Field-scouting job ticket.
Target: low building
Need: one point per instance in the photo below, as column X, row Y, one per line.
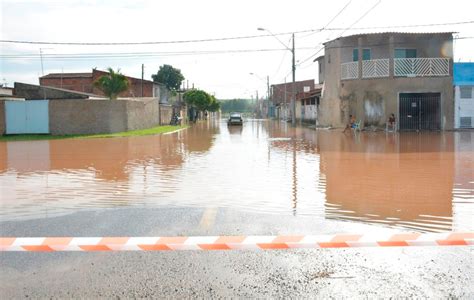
column 371, row 76
column 84, row 82
column 307, row 104
column 464, row 95
column 281, row 95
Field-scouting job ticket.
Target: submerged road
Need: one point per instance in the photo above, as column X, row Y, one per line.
column 262, row 179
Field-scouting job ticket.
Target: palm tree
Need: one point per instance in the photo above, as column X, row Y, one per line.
column 112, row 84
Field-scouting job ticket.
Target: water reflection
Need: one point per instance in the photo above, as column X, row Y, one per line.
column 416, row 181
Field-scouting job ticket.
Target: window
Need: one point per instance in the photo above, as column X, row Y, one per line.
column 355, row 54
column 365, row 54
column 405, row 53
column 466, row 92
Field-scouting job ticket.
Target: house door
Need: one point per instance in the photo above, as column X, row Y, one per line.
column 420, row 111
column 27, row 117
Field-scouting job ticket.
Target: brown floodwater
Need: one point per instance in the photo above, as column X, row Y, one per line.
column 415, row 181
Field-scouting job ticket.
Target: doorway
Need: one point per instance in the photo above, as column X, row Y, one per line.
column 420, row 111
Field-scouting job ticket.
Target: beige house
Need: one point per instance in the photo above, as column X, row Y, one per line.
column 374, row 75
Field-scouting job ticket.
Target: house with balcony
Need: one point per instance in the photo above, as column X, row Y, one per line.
column 374, row 75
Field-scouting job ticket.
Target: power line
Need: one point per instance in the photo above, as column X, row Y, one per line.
column 357, row 21
column 132, row 55
column 226, row 38
column 138, row 54
column 281, row 62
column 333, row 18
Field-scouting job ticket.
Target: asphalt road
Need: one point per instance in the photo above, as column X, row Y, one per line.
column 435, row 272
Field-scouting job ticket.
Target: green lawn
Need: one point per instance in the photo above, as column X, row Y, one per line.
column 142, row 132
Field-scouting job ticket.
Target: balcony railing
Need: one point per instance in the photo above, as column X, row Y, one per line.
column 375, row 68
column 402, row 67
column 419, row 67
column 350, row 70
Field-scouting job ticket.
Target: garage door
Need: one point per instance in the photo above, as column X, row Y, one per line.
column 420, row 111
column 27, row 117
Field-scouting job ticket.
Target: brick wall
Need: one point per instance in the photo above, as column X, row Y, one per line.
column 278, row 90
column 80, row 84
column 134, row 88
column 86, row 84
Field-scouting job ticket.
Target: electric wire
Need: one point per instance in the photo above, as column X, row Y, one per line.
column 227, row 38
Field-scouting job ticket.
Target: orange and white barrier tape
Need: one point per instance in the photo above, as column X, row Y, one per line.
column 233, row 242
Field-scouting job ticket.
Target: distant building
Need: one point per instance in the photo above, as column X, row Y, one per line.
column 371, row 76
column 84, row 82
column 464, row 95
column 281, row 95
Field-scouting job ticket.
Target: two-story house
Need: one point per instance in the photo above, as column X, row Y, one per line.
column 371, row 76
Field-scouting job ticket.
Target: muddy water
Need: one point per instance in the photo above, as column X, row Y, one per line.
column 413, row 181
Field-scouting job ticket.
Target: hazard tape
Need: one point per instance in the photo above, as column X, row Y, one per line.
column 43, row 244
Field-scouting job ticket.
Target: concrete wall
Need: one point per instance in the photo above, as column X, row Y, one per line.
column 142, row 114
column 2, row 117
column 166, row 113
column 373, row 100
column 101, row 116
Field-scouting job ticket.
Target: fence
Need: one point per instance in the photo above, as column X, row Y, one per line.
column 350, row 70
column 403, row 67
column 415, row 67
column 375, row 68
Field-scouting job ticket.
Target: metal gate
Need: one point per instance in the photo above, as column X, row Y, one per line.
column 420, row 111
column 27, row 117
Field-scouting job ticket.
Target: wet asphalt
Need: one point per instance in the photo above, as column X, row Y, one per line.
column 433, row 272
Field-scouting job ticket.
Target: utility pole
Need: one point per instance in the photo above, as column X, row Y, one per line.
column 268, row 96
column 143, row 71
column 293, row 96
column 41, row 56
column 256, row 104
column 285, row 107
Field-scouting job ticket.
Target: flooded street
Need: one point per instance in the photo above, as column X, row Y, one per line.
column 264, row 178
column 407, row 181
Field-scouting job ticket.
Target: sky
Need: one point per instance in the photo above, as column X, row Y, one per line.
column 224, row 68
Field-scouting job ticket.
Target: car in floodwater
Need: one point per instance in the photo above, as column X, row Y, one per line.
column 235, row 118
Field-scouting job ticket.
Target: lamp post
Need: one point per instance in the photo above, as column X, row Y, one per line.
column 293, row 69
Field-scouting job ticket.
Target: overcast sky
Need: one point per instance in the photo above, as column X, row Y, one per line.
column 225, row 74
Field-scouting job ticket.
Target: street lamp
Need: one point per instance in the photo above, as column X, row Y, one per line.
column 293, row 69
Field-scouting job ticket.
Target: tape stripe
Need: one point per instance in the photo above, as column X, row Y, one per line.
column 48, row 244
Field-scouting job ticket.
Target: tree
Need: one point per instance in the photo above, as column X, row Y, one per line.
column 198, row 100
column 169, row 76
column 214, row 105
column 112, row 84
